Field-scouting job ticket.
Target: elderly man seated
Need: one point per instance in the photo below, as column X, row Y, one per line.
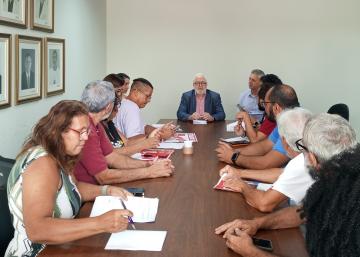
column 129, row 120
column 331, row 206
column 200, row 103
column 294, row 180
column 100, row 163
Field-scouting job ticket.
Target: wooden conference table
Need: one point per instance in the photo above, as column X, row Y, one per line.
column 189, row 209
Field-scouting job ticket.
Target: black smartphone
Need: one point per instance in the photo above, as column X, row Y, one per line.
column 136, row 191
column 263, row 243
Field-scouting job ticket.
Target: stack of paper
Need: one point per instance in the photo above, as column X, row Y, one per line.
column 136, row 240
column 144, row 209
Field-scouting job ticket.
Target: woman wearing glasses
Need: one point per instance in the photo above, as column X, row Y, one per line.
column 43, row 194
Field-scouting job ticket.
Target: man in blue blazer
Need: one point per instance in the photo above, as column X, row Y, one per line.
column 200, row 103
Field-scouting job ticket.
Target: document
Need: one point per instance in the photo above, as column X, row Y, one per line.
column 199, row 122
column 144, row 209
column 181, row 137
column 236, row 140
column 153, row 154
column 231, row 126
column 165, row 145
column 136, row 240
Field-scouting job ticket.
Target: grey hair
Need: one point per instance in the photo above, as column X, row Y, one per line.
column 97, row 95
column 258, row 72
column 327, row 135
column 291, row 123
column 197, row 75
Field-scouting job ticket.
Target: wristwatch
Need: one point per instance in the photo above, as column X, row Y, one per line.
column 234, row 157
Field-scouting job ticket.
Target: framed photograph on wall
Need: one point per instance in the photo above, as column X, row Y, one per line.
column 42, row 15
column 14, row 13
column 5, row 70
column 28, row 86
column 54, row 83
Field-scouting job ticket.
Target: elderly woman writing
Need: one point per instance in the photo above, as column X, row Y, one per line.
column 43, row 195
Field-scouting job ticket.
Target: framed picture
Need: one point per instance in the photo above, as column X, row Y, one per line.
column 28, row 52
column 54, row 66
column 14, row 13
column 5, row 70
column 42, row 15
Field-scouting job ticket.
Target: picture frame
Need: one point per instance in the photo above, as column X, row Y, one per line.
column 42, row 15
column 5, row 70
column 54, row 63
column 14, row 13
column 29, row 63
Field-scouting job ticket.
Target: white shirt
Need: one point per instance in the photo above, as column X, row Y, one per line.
column 128, row 120
column 295, row 179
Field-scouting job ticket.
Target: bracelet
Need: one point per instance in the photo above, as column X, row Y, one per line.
column 104, row 189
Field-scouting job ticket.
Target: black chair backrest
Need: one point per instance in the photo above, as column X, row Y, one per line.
column 340, row 109
column 7, row 230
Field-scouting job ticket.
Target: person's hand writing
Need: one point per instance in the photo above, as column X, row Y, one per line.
column 114, row 220
column 155, row 133
column 167, row 131
column 224, row 152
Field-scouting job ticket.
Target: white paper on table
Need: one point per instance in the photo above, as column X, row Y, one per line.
column 136, row 240
column 264, row 186
column 199, row 122
column 244, row 140
column 231, row 126
column 181, row 137
column 165, row 145
column 144, row 209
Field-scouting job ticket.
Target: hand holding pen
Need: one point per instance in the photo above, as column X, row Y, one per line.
column 129, row 218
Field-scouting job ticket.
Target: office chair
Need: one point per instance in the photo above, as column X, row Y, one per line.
column 7, row 230
column 340, row 109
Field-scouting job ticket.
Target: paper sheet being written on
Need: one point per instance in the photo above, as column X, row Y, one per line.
column 144, row 209
column 136, row 240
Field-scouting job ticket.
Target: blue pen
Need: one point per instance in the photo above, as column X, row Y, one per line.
column 129, row 218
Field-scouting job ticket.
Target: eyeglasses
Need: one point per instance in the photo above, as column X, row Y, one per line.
column 146, row 95
column 198, row 83
column 82, row 134
column 300, row 146
column 263, row 103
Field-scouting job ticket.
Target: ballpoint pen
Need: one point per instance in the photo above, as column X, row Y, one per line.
column 129, row 218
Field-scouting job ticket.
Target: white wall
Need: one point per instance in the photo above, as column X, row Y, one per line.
column 311, row 45
column 82, row 24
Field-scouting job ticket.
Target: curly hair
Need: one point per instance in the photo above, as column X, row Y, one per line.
column 47, row 132
column 332, row 207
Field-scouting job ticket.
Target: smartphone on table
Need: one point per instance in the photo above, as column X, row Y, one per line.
column 136, row 191
column 263, row 243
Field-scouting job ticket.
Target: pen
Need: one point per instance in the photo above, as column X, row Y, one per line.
column 129, row 218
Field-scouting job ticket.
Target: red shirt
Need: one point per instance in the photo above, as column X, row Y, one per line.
column 267, row 126
column 93, row 154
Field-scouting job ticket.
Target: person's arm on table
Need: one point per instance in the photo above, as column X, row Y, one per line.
column 40, row 189
column 264, row 201
column 225, row 151
column 89, row 192
column 253, row 135
column 272, row 159
column 266, row 175
column 161, row 168
column 284, row 218
column 131, row 149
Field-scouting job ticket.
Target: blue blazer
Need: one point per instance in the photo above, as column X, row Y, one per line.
column 212, row 105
